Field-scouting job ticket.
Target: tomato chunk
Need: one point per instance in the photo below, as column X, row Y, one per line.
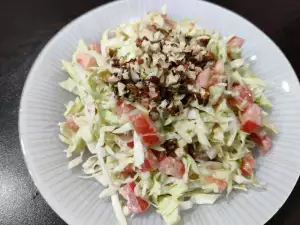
column 129, row 169
column 135, row 203
column 251, row 119
column 242, row 97
column 222, row 185
column 127, row 189
column 151, row 162
column 145, row 128
column 219, row 67
column 262, row 140
column 203, row 78
column 123, row 108
column 96, row 47
column 71, row 124
column 130, row 144
column 142, row 123
column 168, row 22
column 235, row 42
column 86, row 60
column 150, row 139
column 248, row 164
column 172, row 167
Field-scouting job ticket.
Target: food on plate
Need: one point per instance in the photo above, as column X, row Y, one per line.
column 168, row 113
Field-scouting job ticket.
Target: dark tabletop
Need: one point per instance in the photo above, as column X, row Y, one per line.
column 27, row 25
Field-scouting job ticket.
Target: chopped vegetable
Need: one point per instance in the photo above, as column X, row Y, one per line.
column 251, row 119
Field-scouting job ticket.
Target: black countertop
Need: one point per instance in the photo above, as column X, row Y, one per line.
column 27, row 25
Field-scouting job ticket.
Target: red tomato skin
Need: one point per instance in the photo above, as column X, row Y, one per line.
column 137, row 204
column 143, row 204
column 150, row 139
column 151, row 162
column 244, row 94
column 123, row 108
column 266, row 144
column 129, row 169
column 86, row 60
column 172, row 167
column 222, row 185
column 126, row 190
column 72, row 125
column 263, row 141
column 251, row 119
column 249, row 126
column 140, row 61
column 96, row 47
column 142, row 123
column 145, row 128
column 130, row 144
column 248, row 164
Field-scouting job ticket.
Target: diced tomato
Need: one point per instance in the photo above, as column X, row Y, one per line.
column 168, row 22
column 235, row 42
column 142, row 123
column 186, row 65
column 172, row 167
column 266, row 144
column 251, row 118
column 150, row 139
column 123, row 108
column 137, row 204
column 262, row 140
column 130, row 144
column 96, row 47
column 203, row 78
column 129, row 169
column 222, row 185
column 151, row 162
column 242, row 98
column 140, row 61
column 219, row 67
column 145, row 128
column 248, row 164
column 127, row 189
column 71, row 123
column 86, row 60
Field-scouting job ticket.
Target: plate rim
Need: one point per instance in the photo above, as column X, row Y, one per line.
column 55, row 206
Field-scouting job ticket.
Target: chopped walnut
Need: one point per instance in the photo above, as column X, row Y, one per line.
column 180, row 152
column 125, row 75
column 172, row 79
column 164, row 71
column 121, row 88
column 155, row 47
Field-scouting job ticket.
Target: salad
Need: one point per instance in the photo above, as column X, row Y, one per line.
column 167, row 113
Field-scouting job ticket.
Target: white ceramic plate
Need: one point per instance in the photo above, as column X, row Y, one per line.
column 76, row 200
